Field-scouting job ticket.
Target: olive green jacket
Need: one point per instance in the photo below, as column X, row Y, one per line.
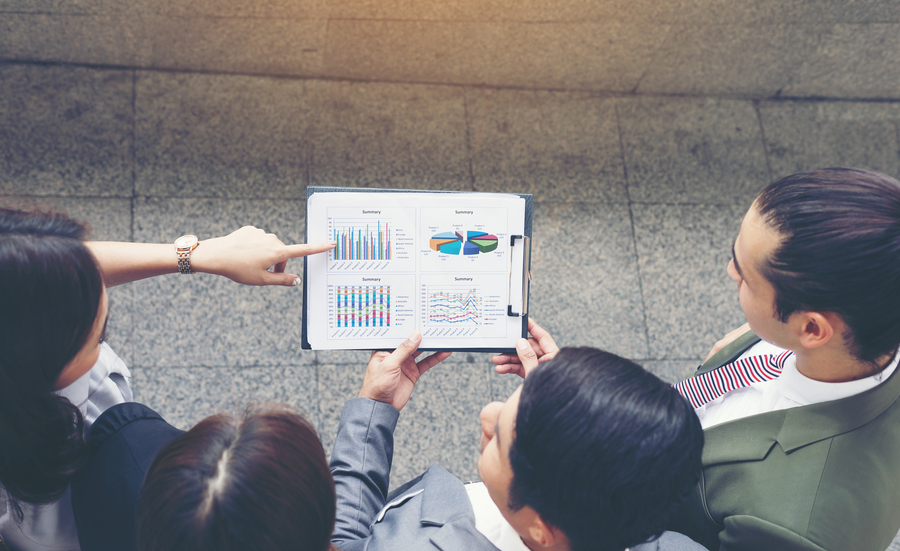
column 819, row 477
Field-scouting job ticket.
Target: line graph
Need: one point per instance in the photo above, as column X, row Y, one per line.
column 454, row 306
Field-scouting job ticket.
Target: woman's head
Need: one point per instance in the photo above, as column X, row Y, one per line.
column 257, row 483
column 52, row 300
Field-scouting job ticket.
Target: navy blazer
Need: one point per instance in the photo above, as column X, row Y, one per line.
column 123, row 442
column 432, row 511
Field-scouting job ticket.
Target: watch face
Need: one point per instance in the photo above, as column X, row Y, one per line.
column 186, row 242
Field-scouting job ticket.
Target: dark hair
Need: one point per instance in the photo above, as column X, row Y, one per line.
column 839, row 252
column 51, row 291
column 259, row 484
column 603, row 450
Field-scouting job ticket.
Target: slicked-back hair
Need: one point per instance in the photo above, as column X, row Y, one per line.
column 603, row 450
column 839, row 252
column 50, row 291
column 261, row 483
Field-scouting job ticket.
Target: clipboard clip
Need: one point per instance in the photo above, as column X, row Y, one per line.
column 519, row 257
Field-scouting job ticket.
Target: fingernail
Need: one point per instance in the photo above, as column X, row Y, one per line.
column 296, row 282
column 521, row 344
column 415, row 335
column 332, row 242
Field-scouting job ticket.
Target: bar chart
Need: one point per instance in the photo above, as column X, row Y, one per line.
column 361, row 240
column 363, row 306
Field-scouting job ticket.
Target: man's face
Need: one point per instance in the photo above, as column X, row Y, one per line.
column 754, row 245
column 498, row 424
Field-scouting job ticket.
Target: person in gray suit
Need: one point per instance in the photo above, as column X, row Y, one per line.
column 591, row 452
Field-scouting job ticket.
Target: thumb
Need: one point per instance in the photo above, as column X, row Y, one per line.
column 406, row 348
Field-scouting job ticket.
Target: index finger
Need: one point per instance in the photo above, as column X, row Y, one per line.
column 294, row 251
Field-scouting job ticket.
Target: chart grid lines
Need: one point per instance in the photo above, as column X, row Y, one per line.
column 454, row 307
column 362, row 244
column 364, row 306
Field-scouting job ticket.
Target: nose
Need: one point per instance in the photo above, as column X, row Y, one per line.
column 489, row 415
column 732, row 271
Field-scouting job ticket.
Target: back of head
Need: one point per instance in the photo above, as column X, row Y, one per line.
column 603, row 450
column 840, row 252
column 50, row 292
column 259, row 484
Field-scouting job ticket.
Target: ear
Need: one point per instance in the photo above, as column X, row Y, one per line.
column 545, row 534
column 815, row 329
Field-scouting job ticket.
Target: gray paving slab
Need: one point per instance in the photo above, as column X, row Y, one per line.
column 201, row 135
column 573, row 56
column 184, row 396
column 728, row 60
column 562, row 147
column 585, row 290
column 761, row 13
column 508, row 10
column 690, row 301
column 502, row 386
column 206, row 320
column 671, row 371
column 255, row 45
column 802, row 136
column 71, row 7
column 118, row 39
column 388, row 135
column 692, row 150
column 439, row 424
column 271, row 9
column 851, row 62
column 65, row 131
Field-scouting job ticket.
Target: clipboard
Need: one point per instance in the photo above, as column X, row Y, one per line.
column 362, row 310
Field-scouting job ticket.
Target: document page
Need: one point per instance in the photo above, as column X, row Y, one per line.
column 439, row 263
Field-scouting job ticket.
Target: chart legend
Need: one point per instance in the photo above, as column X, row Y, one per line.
column 464, row 243
column 363, row 306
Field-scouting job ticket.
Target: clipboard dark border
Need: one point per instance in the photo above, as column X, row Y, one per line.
column 311, row 190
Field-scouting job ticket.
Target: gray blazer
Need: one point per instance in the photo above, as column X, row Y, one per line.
column 431, row 511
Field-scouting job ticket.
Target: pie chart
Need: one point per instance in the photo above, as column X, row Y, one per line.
column 463, row 243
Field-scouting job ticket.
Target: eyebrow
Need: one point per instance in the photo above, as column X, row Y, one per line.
column 734, row 259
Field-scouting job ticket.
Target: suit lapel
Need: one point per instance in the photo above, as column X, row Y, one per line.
column 729, row 353
column 751, row 438
column 445, row 503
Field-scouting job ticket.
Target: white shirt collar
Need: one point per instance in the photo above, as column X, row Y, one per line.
column 490, row 522
column 799, row 388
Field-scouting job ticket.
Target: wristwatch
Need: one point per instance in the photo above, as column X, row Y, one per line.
column 183, row 247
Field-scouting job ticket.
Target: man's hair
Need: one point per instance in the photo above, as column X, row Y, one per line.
column 261, row 483
column 839, row 252
column 50, row 296
column 603, row 450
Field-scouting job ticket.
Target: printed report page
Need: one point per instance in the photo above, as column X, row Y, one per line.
column 433, row 262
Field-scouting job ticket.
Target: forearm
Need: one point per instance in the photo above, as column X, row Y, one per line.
column 126, row 262
column 361, row 465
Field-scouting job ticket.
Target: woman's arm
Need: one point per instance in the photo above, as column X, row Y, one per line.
column 244, row 256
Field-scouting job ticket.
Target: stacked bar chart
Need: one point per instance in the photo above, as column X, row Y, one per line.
column 363, row 306
column 454, row 307
column 464, row 243
column 361, row 240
